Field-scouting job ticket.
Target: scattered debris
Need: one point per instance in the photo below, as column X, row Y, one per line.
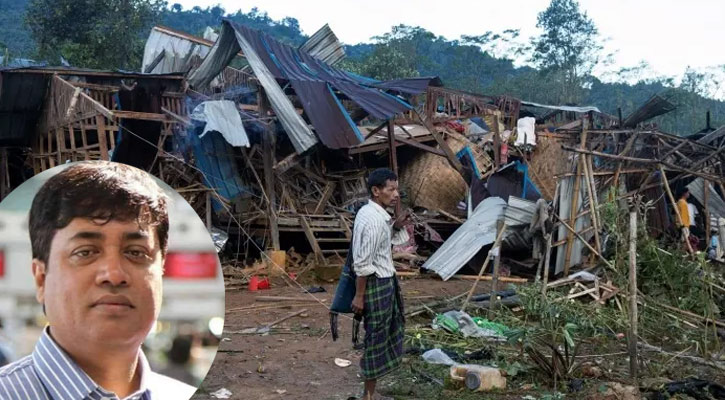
column 342, row 363
column 222, row 393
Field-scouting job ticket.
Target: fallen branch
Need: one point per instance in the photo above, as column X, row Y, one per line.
column 294, row 314
column 272, row 299
column 698, row 360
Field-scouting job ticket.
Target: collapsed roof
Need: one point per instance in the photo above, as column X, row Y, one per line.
column 320, row 87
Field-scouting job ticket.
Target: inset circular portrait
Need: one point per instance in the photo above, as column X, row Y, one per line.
column 110, row 288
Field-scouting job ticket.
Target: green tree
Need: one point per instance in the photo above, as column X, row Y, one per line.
column 387, row 62
column 568, row 48
column 106, row 34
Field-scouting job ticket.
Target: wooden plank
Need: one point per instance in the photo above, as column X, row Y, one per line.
column 376, row 130
column 51, row 161
column 311, row 239
column 287, row 163
column 507, row 279
column 183, row 120
column 452, row 159
column 71, row 132
column 327, row 193
column 346, row 227
column 421, row 146
column 102, row 141
column 269, row 178
column 137, row 115
column 60, row 141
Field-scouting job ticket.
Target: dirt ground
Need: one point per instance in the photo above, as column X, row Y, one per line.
column 295, row 360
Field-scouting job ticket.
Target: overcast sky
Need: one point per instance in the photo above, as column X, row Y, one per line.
column 668, row 34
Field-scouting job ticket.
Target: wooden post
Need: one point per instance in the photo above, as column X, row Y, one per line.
column 496, row 243
column 450, row 155
column 4, row 174
column 496, row 266
column 632, row 342
column 391, row 148
column 496, row 143
column 674, row 205
column 706, row 189
column 619, row 114
column 268, row 147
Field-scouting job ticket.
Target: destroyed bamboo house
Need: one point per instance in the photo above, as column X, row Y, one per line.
column 271, row 145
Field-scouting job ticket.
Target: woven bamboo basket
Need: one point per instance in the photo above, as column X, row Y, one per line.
column 432, row 183
column 548, row 161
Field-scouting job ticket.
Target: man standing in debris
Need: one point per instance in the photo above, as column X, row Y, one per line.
column 378, row 295
column 684, row 211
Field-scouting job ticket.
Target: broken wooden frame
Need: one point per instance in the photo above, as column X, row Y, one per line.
column 627, row 160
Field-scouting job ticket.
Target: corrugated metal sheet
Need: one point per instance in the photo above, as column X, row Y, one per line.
column 18, row 63
column 712, row 136
column 306, row 75
column 714, row 202
column 222, row 116
column 468, row 239
column 561, row 108
column 324, row 46
column 410, row 85
column 566, row 194
column 655, row 106
column 226, row 47
column 178, row 50
column 519, row 212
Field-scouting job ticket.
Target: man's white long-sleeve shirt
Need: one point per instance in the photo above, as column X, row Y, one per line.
column 372, row 241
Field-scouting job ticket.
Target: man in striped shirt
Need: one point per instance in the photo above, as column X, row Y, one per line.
column 98, row 232
column 377, row 294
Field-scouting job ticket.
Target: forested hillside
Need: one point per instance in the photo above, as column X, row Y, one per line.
column 467, row 63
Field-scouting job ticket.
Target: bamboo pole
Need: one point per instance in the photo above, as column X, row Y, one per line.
column 632, row 342
column 547, row 262
column 645, row 161
column 496, row 267
column 706, row 187
column 496, row 143
column 496, row 243
column 592, row 201
column 674, row 205
column 592, row 249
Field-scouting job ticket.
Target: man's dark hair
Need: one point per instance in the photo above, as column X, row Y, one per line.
column 379, row 178
column 684, row 191
column 98, row 190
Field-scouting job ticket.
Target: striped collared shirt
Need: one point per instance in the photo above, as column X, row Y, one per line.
column 50, row 374
column 372, row 241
